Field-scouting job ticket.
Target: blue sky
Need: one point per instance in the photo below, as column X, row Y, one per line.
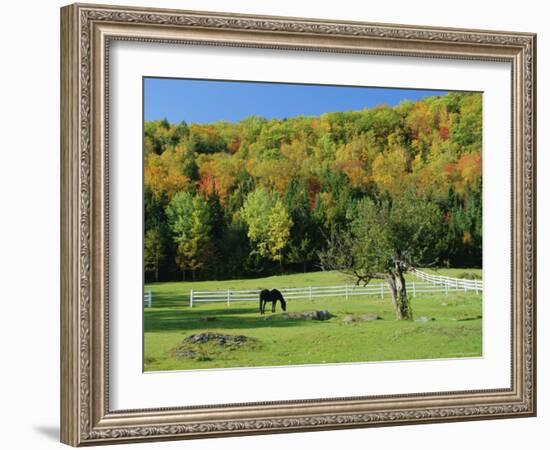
column 201, row 101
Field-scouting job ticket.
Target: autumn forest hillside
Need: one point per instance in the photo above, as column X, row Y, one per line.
column 257, row 197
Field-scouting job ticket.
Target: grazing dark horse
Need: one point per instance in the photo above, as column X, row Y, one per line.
column 271, row 296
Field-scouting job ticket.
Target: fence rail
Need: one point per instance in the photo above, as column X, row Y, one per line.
column 148, row 298
column 456, row 283
column 431, row 284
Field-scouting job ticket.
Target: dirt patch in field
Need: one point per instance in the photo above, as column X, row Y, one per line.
column 208, row 346
column 354, row 318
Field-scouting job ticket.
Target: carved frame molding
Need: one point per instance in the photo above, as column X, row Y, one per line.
column 86, row 32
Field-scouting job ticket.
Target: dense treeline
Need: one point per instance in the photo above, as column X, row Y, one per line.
column 225, row 200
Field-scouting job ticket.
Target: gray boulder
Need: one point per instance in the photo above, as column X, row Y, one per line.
column 224, row 340
column 424, row 319
column 309, row 315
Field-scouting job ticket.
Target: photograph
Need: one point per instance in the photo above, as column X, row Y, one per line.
column 291, row 224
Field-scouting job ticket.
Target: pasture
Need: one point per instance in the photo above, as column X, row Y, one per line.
column 452, row 326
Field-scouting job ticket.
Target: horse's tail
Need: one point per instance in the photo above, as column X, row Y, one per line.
column 262, row 298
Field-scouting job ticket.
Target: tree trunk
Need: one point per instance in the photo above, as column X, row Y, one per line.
column 404, row 311
column 398, row 287
column 390, row 279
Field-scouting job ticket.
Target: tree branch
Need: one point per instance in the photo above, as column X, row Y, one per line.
column 365, row 278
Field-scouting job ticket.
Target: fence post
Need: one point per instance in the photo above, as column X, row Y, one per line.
column 191, row 298
column 228, row 297
column 310, row 293
column 346, row 292
column 414, row 290
column 381, row 290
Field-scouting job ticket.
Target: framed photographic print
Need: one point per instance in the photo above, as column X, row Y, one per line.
column 277, row 224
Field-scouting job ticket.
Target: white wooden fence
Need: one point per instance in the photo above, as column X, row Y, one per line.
column 346, row 291
column 454, row 283
column 148, row 298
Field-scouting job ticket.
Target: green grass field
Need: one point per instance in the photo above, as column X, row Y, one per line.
column 275, row 340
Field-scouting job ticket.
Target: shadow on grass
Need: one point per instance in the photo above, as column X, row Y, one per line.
column 169, row 300
column 219, row 319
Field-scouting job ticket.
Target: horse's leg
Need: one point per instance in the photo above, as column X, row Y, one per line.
column 273, row 305
column 261, row 306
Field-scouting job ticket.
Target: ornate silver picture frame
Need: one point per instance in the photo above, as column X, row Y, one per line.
column 87, row 33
